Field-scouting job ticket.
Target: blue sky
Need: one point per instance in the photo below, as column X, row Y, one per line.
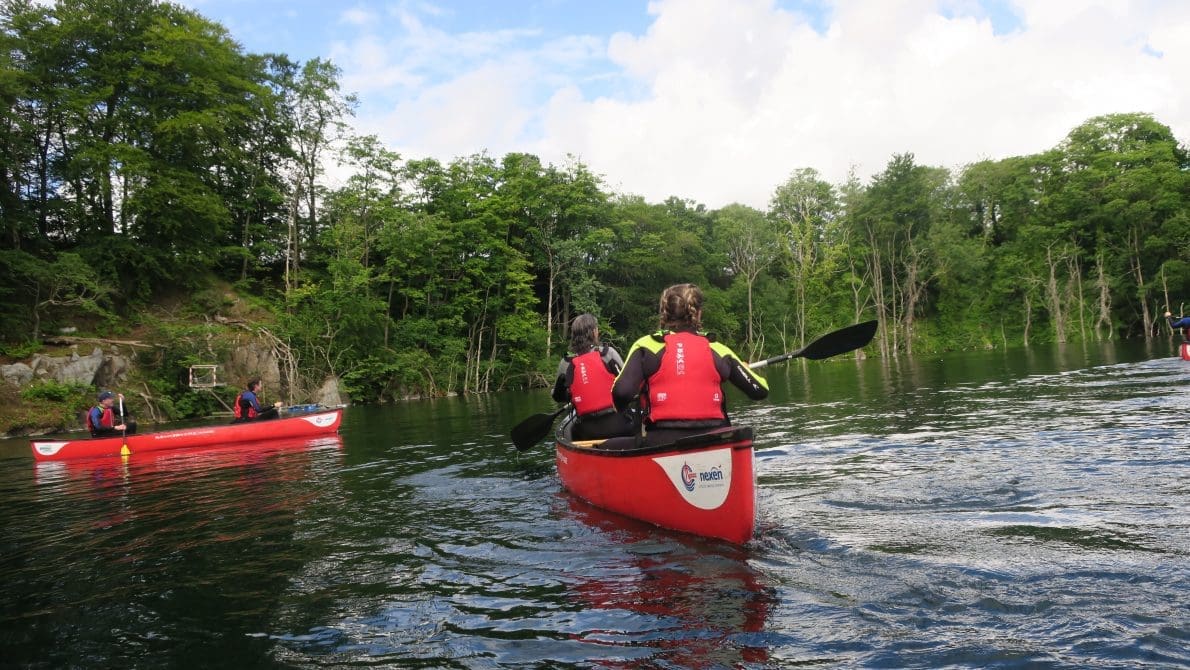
column 720, row 101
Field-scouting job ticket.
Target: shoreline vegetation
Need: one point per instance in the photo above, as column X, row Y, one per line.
column 159, row 178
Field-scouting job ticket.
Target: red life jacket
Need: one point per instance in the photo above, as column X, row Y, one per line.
column 238, row 408
column 107, row 418
column 591, row 388
column 686, row 386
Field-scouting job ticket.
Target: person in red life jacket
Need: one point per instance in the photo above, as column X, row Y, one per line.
column 585, row 377
column 102, row 419
column 247, row 407
column 678, row 373
column 1181, row 323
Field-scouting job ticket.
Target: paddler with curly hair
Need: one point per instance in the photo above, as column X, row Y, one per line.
column 678, row 373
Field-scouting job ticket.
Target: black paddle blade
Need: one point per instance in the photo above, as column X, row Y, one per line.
column 533, row 430
column 839, row 342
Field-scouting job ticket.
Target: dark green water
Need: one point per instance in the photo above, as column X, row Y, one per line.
column 1020, row 509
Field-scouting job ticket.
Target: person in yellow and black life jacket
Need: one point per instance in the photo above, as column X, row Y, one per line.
column 585, row 377
column 678, row 373
column 104, row 421
column 247, row 407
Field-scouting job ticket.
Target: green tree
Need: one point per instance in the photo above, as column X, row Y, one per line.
column 751, row 243
column 805, row 206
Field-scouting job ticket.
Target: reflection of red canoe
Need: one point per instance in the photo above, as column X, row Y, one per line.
column 175, row 464
column 306, row 425
column 701, row 607
column 702, row 484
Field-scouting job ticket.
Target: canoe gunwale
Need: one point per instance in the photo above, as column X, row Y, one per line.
column 739, row 437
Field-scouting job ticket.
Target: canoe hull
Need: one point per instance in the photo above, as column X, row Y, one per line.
column 704, row 486
column 306, row 425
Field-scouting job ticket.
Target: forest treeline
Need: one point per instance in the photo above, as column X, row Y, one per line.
column 143, row 150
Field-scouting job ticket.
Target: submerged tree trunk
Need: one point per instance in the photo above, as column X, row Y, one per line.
column 914, row 289
column 1053, row 296
column 1076, row 293
column 1141, row 290
column 877, row 271
column 1104, row 317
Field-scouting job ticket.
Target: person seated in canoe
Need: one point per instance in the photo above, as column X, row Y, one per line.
column 678, row 373
column 585, row 377
column 104, row 421
column 247, row 407
column 1181, row 323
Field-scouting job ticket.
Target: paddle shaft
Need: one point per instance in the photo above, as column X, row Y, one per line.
column 832, row 344
column 124, row 431
column 775, row 359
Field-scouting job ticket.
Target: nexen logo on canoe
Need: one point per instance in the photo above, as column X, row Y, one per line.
column 702, row 479
column 714, row 475
column 690, row 478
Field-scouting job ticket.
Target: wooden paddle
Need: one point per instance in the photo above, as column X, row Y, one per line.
column 533, row 430
column 832, row 344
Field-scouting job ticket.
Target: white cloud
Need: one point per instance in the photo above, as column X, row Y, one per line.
column 720, row 100
column 357, row 16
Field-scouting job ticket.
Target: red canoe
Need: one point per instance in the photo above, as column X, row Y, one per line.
column 702, row 484
column 306, row 425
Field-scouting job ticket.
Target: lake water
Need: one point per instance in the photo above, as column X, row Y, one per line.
column 993, row 509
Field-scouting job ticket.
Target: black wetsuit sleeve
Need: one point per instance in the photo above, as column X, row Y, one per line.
column 641, row 365
column 735, row 371
column 561, row 391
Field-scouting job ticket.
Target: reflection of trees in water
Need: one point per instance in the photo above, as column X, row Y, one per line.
column 170, row 556
column 694, row 604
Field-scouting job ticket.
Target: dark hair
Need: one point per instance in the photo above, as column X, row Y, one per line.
column 251, row 383
column 680, row 307
column 582, row 333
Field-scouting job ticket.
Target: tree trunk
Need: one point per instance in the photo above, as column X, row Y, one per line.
column 877, row 271
column 1104, row 318
column 914, row 288
column 549, row 306
column 1141, row 290
column 388, row 312
column 1076, row 277
column 43, row 182
column 1054, row 297
column 1028, row 316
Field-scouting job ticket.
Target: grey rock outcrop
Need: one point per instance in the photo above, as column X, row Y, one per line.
column 252, row 358
column 329, row 394
column 72, row 369
column 17, row 374
column 98, row 368
column 113, row 371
